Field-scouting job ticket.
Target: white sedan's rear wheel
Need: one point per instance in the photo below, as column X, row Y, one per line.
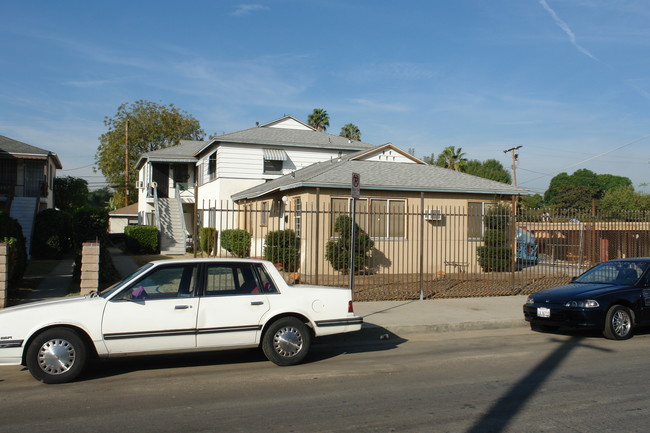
column 286, row 341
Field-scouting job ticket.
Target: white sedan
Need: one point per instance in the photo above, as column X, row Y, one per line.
column 175, row 306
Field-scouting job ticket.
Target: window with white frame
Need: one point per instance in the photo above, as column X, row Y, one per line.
column 476, row 219
column 212, row 166
column 343, row 206
column 387, row 218
column 264, row 218
column 297, row 217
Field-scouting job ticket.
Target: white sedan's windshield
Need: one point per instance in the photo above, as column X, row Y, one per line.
column 109, row 290
column 622, row 273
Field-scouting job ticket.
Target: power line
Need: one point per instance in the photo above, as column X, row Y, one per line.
column 594, row 157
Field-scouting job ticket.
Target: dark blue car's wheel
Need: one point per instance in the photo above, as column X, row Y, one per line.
column 618, row 323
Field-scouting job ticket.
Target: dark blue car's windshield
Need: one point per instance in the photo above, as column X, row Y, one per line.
column 618, row 272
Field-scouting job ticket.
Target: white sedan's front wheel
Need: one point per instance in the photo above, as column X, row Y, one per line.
column 286, row 341
column 57, row 355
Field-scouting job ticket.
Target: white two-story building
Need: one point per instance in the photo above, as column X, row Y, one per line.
column 173, row 182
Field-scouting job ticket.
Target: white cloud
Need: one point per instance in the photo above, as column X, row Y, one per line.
column 245, row 9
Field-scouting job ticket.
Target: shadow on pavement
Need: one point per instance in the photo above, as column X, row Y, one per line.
column 373, row 340
column 508, row 406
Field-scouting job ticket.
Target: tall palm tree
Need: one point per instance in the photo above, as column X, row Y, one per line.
column 452, row 158
column 319, row 119
column 351, row 132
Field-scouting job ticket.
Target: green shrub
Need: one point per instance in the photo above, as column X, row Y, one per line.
column 236, row 242
column 338, row 251
column 207, row 236
column 496, row 254
column 11, row 229
column 142, row 239
column 282, row 246
column 52, row 233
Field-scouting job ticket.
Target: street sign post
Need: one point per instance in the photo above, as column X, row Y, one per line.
column 355, row 193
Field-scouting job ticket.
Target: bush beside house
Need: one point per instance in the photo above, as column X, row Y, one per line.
column 281, row 247
column 236, row 242
column 12, row 233
column 496, row 253
column 52, row 234
column 142, row 239
column 339, row 251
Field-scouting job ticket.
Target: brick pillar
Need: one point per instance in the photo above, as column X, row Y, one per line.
column 4, row 274
column 89, row 267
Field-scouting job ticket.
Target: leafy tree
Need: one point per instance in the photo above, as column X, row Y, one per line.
column 100, row 198
column 151, row 127
column 488, row 169
column 431, row 160
column 625, row 198
column 575, row 197
column 532, row 201
column 452, row 158
column 598, row 184
column 351, row 132
column 70, row 193
column 319, row 119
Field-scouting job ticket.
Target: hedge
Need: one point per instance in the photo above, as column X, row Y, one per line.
column 12, row 233
column 236, row 242
column 282, row 246
column 52, row 234
column 207, row 237
column 142, row 239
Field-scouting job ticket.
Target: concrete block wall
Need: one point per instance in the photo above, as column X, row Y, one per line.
column 89, row 267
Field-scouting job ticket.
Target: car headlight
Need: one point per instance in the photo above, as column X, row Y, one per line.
column 530, row 300
column 588, row 303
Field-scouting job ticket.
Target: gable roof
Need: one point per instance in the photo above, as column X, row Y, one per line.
column 381, row 176
column 270, row 134
column 9, row 146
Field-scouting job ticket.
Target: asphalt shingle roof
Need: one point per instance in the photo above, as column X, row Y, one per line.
column 15, row 147
column 386, row 176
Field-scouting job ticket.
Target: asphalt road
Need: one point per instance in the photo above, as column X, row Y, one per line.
column 509, row 380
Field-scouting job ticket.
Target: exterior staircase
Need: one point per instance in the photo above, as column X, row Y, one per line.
column 23, row 209
column 172, row 237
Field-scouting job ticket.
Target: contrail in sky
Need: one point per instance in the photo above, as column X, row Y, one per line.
column 565, row 27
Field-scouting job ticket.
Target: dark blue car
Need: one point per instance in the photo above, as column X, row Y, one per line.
column 613, row 297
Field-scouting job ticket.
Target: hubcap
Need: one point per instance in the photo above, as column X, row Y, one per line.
column 56, row 356
column 621, row 323
column 287, row 341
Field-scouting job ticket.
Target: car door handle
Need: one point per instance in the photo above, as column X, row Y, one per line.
column 257, row 302
column 181, row 307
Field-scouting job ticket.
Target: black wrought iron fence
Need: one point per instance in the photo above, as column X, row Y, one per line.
column 407, row 252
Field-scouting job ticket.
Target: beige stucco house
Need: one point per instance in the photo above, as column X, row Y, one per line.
column 418, row 215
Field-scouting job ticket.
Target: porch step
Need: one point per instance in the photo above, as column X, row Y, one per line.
column 171, row 233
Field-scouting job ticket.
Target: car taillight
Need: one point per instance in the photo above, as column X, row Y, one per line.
column 350, row 307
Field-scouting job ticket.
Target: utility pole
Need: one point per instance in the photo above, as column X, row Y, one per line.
column 515, row 155
column 126, row 164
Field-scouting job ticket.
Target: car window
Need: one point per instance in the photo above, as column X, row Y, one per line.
column 622, row 273
column 267, row 282
column 163, row 283
column 236, row 279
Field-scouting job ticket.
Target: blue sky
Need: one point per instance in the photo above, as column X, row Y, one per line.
column 569, row 80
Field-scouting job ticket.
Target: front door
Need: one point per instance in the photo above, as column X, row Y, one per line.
column 160, row 175
column 157, row 313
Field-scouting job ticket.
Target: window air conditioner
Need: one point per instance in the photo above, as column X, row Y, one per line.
column 432, row 215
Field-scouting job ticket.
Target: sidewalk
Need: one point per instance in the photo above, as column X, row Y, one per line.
column 398, row 317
